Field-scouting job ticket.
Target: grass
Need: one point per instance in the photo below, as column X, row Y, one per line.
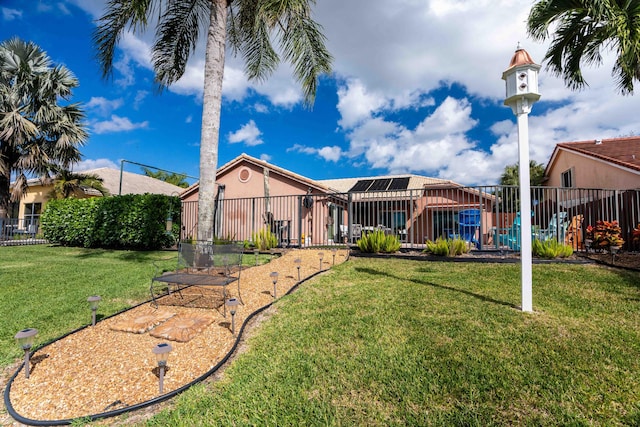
column 383, row 342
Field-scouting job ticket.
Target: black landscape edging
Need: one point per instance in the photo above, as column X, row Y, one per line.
column 142, row 405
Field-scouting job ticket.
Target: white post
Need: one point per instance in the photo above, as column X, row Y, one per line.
column 525, row 205
column 521, row 80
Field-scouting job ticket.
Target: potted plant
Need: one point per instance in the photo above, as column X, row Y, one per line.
column 605, row 236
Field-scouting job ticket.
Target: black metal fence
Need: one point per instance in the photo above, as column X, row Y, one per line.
column 20, row 231
column 488, row 217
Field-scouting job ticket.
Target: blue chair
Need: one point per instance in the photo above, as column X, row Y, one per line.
column 469, row 222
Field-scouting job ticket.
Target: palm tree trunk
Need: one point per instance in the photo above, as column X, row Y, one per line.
column 211, row 106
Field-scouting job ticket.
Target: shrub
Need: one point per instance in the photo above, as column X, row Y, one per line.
column 120, row 222
column 550, row 249
column 447, row 247
column 604, row 235
column 377, row 241
column 264, row 240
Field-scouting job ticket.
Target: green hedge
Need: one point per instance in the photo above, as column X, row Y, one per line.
column 133, row 221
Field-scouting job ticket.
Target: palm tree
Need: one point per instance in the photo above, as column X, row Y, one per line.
column 67, row 184
column 582, row 29
column 250, row 25
column 37, row 133
column 511, row 174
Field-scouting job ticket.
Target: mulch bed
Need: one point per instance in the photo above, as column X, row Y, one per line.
column 111, row 365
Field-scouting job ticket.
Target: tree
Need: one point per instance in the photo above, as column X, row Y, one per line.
column 67, row 184
column 251, row 25
column 37, row 133
column 178, row 179
column 511, row 174
column 582, row 29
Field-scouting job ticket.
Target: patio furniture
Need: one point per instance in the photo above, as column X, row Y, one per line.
column 574, row 233
column 356, row 232
column 201, row 264
column 511, row 238
column 469, row 223
column 556, row 229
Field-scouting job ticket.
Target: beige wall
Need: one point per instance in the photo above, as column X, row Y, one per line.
column 591, row 173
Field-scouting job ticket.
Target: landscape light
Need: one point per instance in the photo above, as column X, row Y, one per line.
column 232, row 303
column 94, row 301
column 256, row 251
column 334, row 250
column 162, row 354
column 274, row 278
column 25, row 339
column 321, row 255
column 297, row 262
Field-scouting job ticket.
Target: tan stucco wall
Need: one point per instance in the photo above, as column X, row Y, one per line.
column 591, row 173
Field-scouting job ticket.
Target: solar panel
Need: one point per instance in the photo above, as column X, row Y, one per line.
column 399, row 183
column 361, row 185
column 380, row 184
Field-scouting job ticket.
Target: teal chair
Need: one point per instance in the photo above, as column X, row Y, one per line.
column 512, row 236
column 557, row 228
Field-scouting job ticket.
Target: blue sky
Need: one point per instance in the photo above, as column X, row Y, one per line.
column 416, row 88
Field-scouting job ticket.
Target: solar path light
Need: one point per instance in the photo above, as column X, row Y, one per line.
column 25, row 339
column 297, row 262
column 232, row 303
column 274, row 278
column 256, row 251
column 162, row 354
column 321, row 255
column 94, row 301
column 333, row 252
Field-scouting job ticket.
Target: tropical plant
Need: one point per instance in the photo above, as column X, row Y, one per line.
column 378, row 242
column 636, row 234
column 178, row 179
column 67, row 184
column 264, row 240
column 251, row 26
column 582, row 29
column 38, row 132
column 446, row 247
column 550, row 249
column 511, row 174
column 604, row 235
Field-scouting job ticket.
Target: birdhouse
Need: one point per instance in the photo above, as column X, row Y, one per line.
column 521, row 79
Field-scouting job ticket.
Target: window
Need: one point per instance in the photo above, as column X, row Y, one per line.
column 32, row 214
column 567, row 178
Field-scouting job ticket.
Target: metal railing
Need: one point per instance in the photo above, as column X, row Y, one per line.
column 20, row 231
column 417, row 215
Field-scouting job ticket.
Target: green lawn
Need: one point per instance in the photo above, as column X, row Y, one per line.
column 380, row 341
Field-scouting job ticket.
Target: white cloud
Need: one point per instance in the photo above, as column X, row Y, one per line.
column 265, row 157
column 117, row 124
column 104, row 106
column 10, row 14
column 330, row 154
column 249, row 134
column 141, row 95
column 94, row 164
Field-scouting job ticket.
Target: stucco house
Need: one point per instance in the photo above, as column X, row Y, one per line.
column 32, row 204
column 253, row 194
column 601, row 163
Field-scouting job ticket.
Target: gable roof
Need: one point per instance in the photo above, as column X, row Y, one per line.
column 340, row 185
column 621, row 152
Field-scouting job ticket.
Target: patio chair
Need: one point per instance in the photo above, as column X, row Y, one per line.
column 574, row 233
column 556, row 229
column 511, row 238
column 469, row 222
column 356, row 232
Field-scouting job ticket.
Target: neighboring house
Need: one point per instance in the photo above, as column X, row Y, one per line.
column 601, row 163
column 33, row 202
column 252, row 193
